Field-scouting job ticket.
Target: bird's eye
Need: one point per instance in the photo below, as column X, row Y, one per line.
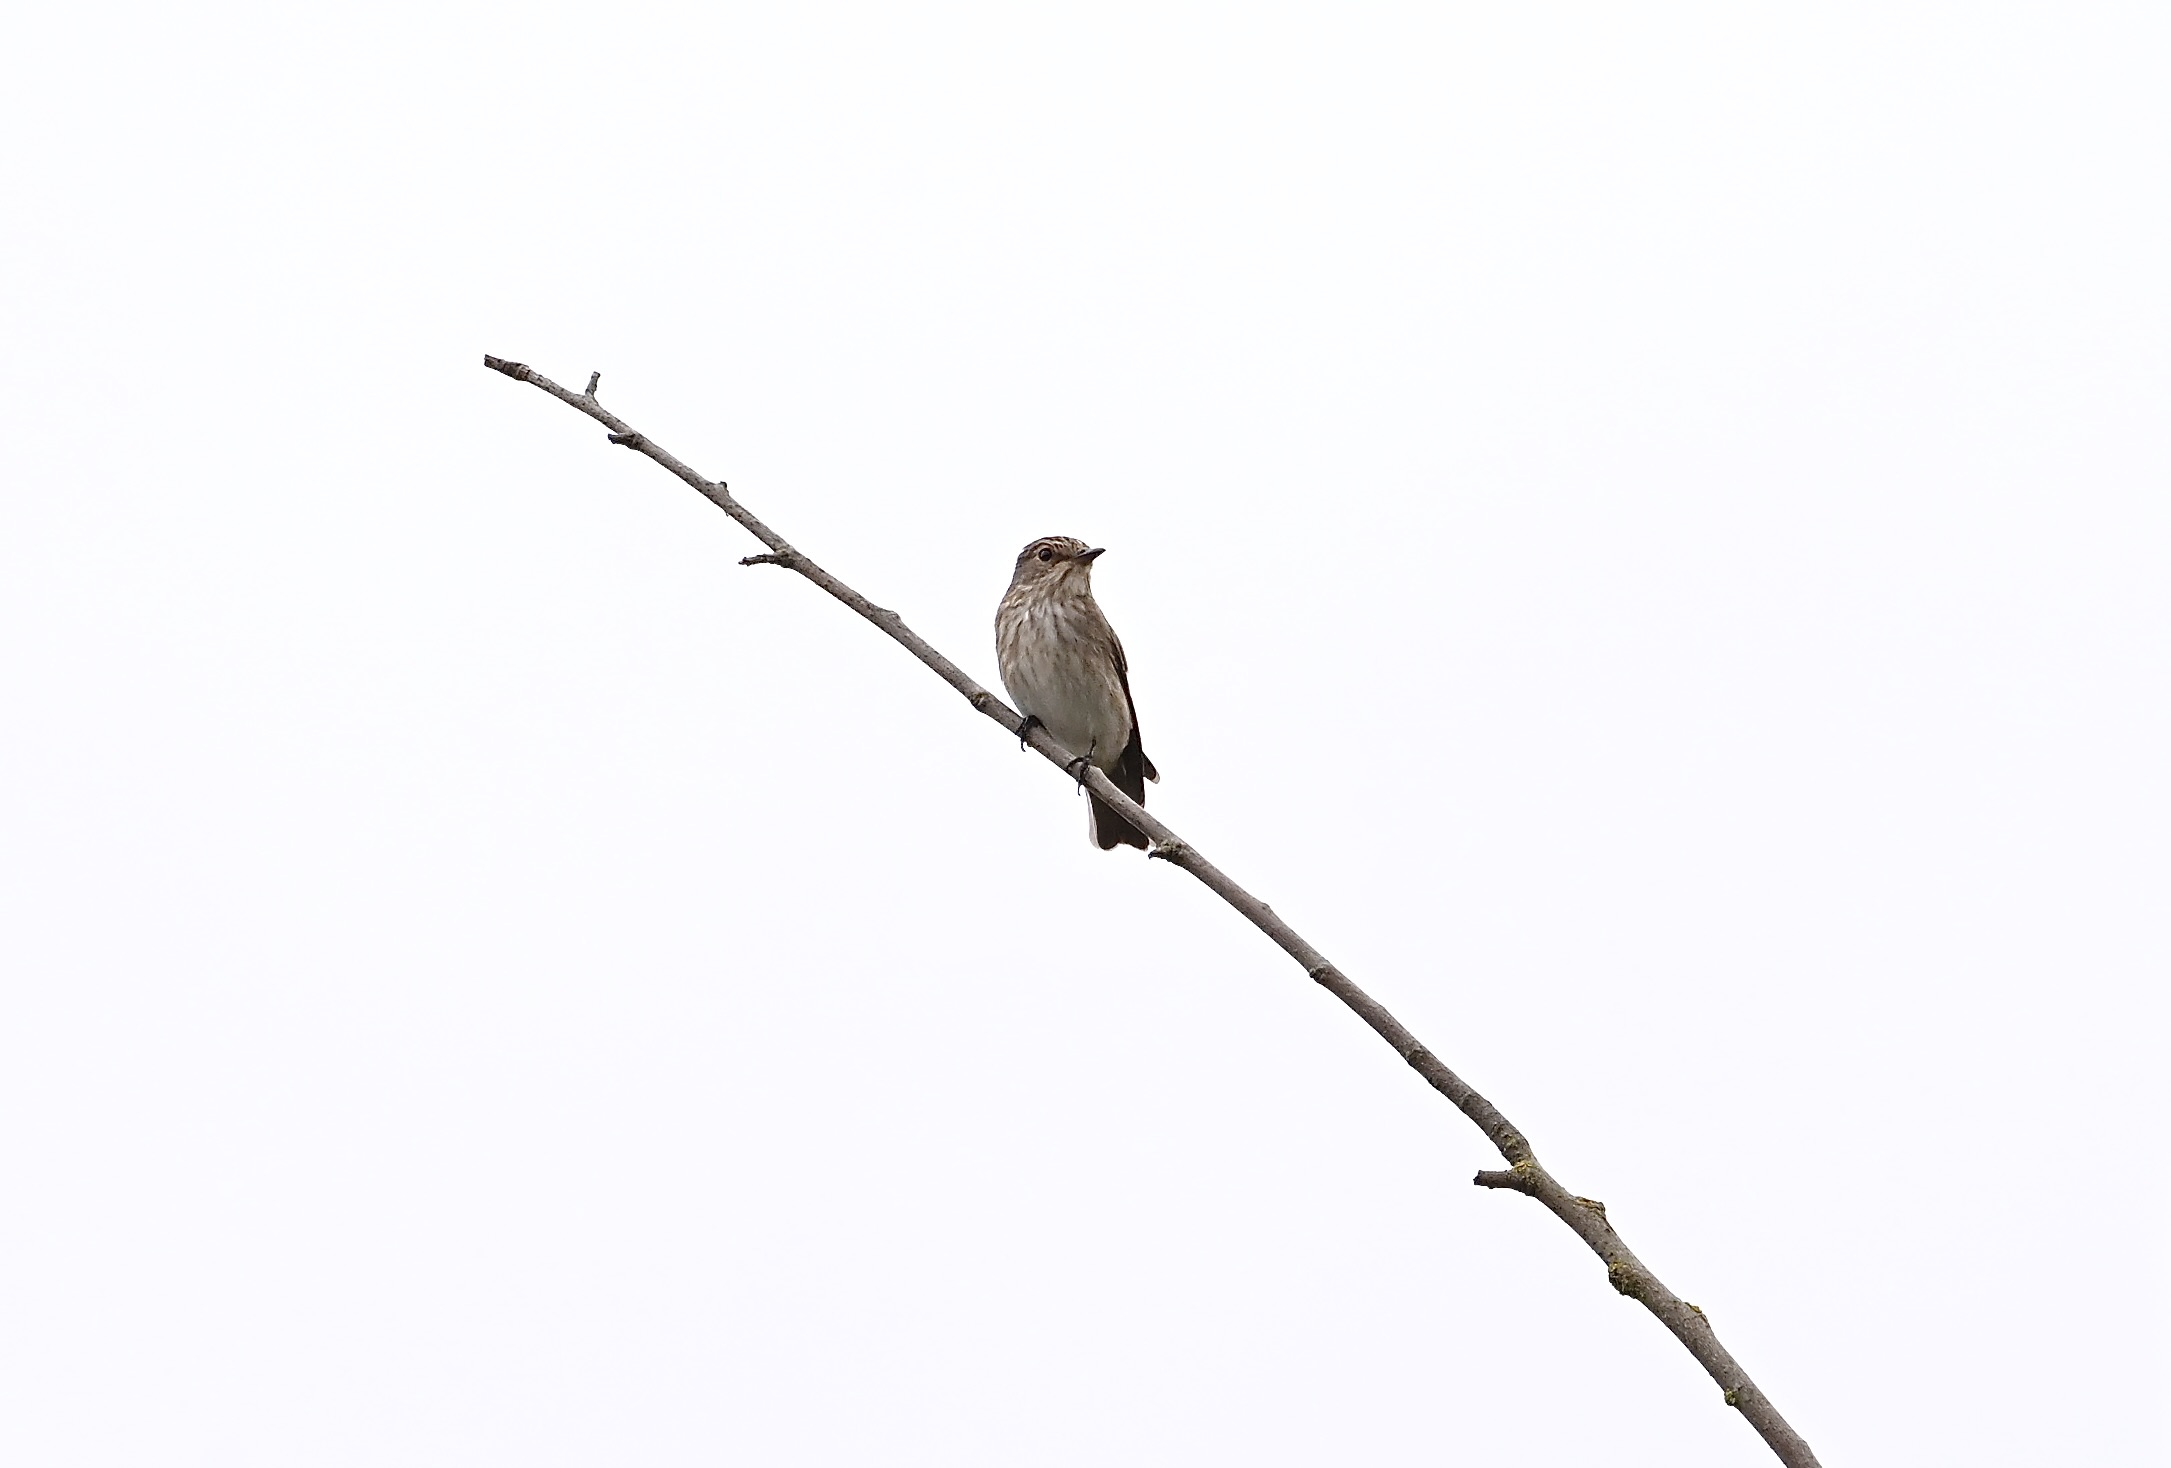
column 1046, row 554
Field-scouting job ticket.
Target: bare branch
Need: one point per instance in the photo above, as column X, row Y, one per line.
column 1585, row 1216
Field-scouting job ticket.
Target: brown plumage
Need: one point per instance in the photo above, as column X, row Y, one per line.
column 1065, row 667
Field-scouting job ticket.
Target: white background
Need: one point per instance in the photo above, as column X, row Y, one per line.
column 1641, row 530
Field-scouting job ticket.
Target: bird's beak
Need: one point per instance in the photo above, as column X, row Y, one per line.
column 1088, row 555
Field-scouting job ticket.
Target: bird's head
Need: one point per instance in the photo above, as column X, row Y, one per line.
column 1055, row 560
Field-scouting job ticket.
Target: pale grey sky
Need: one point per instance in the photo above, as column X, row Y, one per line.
column 1643, row 534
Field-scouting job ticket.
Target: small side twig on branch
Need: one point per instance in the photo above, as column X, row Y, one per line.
column 1524, row 1174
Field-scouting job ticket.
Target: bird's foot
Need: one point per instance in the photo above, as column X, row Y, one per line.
column 1025, row 729
column 1076, row 769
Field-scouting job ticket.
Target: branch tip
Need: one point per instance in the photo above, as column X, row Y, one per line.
column 770, row 559
column 627, row 440
column 518, row 371
column 593, row 379
column 1171, row 851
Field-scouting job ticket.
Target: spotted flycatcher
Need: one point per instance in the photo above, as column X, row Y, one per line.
column 1065, row 671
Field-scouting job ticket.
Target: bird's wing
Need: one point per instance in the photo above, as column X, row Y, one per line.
column 1123, row 676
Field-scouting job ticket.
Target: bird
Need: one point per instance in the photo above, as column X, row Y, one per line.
column 1066, row 672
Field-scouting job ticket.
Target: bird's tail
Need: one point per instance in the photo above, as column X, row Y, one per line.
column 1110, row 829
column 1129, row 775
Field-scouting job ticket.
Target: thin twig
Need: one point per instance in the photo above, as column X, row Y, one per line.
column 1586, row 1216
